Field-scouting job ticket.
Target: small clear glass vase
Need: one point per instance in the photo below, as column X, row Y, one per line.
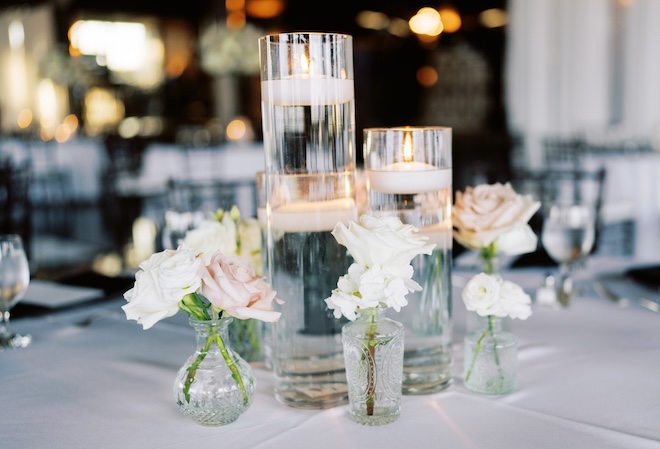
column 373, row 355
column 215, row 385
column 490, row 357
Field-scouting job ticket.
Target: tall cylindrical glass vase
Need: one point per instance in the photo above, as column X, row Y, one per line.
column 308, row 110
column 409, row 175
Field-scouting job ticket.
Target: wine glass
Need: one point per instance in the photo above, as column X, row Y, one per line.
column 568, row 236
column 14, row 280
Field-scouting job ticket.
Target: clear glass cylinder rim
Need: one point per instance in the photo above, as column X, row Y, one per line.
column 300, row 37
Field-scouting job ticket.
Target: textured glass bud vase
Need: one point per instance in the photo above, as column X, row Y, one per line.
column 491, row 357
column 373, row 355
column 308, row 105
column 215, row 385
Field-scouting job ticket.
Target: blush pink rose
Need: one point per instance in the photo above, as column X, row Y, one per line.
column 232, row 285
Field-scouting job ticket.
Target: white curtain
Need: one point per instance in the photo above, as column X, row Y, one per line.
column 579, row 65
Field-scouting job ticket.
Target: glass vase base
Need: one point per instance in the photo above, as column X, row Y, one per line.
column 418, row 383
column 316, row 396
column 379, row 418
column 491, row 386
column 210, row 417
column 426, row 371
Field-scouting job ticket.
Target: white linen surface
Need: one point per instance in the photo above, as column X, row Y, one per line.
column 588, row 377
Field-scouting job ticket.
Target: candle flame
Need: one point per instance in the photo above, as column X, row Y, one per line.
column 407, row 148
column 304, row 63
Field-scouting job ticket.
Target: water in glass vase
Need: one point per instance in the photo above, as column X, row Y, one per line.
column 427, row 317
column 305, row 262
column 308, row 117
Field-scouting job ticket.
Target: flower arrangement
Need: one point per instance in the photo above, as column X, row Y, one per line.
column 493, row 218
column 233, row 236
column 490, row 296
column 380, row 277
column 182, row 279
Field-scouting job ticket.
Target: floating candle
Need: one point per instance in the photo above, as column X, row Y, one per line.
column 313, row 216
column 409, row 178
column 305, row 91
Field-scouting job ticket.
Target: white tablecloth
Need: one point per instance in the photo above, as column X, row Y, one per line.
column 588, row 379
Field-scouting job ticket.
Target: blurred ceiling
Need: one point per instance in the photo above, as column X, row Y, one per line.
column 299, row 15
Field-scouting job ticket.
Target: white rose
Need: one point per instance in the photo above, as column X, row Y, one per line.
column 482, row 295
column 482, row 214
column 515, row 302
column 383, row 241
column 160, row 283
column 211, row 236
column 517, row 240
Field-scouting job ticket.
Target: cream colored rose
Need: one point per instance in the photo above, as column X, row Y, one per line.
column 495, row 213
column 161, row 282
column 232, row 285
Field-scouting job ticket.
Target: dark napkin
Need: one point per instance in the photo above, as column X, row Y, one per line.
column 538, row 258
column 648, row 276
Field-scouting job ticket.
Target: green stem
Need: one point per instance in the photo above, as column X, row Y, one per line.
column 489, row 331
column 487, row 255
column 214, row 336
column 369, row 337
column 232, row 366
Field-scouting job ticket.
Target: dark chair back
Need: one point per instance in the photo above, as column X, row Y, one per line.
column 15, row 206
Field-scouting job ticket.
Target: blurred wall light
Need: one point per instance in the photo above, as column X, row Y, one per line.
column 16, row 34
column 24, row 118
column 103, row 110
column 427, row 76
column 398, row 27
column 240, row 130
column 264, row 9
column 493, row 18
column 451, row 19
column 372, row 20
column 426, row 22
column 131, row 49
column 52, row 104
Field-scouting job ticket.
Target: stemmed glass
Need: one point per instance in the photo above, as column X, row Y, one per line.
column 568, row 236
column 14, row 280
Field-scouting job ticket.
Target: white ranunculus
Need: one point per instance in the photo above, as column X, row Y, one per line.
column 342, row 303
column 211, row 236
column 482, row 214
column 517, row 240
column 515, row 301
column 482, row 295
column 161, row 282
column 383, row 241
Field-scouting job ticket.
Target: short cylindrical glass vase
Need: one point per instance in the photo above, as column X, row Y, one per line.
column 373, row 355
column 215, row 386
column 491, row 357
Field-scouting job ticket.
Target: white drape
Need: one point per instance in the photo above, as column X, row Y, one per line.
column 576, row 65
